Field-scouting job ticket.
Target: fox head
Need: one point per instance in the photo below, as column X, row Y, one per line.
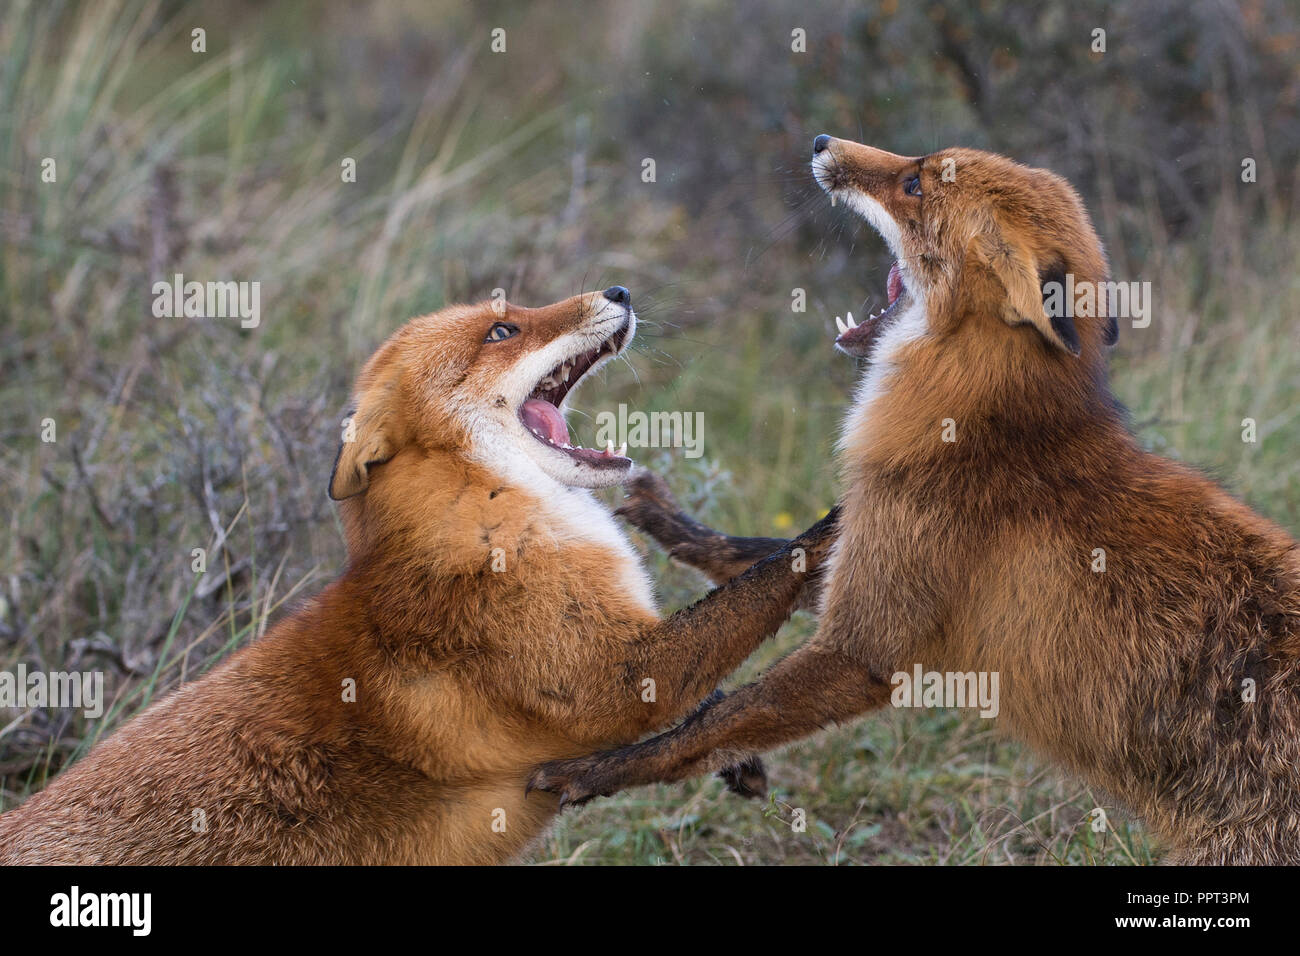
column 489, row 382
column 975, row 235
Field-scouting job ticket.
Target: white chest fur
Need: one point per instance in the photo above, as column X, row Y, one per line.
column 903, row 330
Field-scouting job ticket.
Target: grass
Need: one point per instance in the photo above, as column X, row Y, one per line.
column 520, row 173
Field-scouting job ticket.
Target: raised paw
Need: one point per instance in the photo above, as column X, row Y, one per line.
column 645, row 485
column 747, row 778
column 650, row 506
column 574, row 781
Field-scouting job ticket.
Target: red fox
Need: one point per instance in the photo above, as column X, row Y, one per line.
column 492, row 616
column 1000, row 518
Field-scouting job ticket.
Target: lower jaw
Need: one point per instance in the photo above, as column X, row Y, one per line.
column 588, row 478
column 544, row 423
column 857, row 342
column 597, row 464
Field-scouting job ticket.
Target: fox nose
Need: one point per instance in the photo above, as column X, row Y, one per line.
column 820, row 143
column 616, row 293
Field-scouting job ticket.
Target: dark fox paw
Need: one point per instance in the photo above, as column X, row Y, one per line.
column 574, row 781
column 747, row 778
column 650, row 507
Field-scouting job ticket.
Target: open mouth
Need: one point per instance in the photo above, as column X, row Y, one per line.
column 541, row 416
column 856, row 339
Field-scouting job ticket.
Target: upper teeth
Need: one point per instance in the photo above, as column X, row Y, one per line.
column 555, row 378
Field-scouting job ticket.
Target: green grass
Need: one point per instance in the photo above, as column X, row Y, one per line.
column 521, row 173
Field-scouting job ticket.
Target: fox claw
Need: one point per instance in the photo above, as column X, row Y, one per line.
column 568, row 781
column 649, row 506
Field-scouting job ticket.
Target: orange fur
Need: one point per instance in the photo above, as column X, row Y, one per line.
column 467, row 671
column 977, row 554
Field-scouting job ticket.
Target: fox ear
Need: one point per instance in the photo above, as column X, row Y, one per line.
column 1110, row 332
column 370, row 437
column 1022, row 280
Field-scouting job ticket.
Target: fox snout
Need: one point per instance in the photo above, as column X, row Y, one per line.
column 972, row 233
column 890, row 179
column 618, row 295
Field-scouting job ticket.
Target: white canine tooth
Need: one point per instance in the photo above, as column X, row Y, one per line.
column 622, row 451
column 609, row 446
column 840, row 323
column 849, row 319
column 564, row 372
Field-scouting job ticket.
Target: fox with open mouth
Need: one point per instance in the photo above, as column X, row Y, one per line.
column 492, row 616
column 999, row 517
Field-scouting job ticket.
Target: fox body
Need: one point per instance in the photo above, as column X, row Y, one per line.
column 999, row 517
column 492, row 615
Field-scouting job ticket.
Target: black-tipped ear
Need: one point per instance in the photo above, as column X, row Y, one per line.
column 1022, row 280
column 1110, row 331
column 1065, row 330
column 1053, row 276
column 369, row 439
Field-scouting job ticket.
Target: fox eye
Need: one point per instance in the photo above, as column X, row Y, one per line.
column 912, row 185
column 500, row 331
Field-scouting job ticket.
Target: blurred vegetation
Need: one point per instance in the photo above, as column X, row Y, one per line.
column 522, row 171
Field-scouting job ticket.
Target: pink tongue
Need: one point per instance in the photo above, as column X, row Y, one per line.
column 545, row 418
column 895, row 283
